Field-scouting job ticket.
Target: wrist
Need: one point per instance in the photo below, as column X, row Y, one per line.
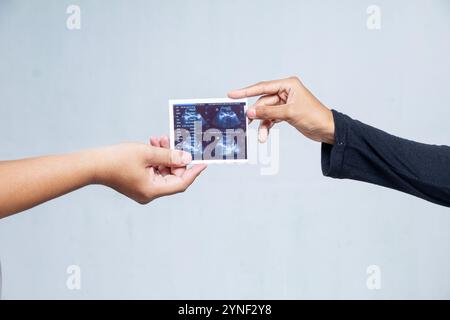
column 95, row 165
column 328, row 130
column 81, row 167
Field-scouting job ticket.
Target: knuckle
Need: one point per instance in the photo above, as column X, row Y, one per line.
column 262, row 84
column 294, row 79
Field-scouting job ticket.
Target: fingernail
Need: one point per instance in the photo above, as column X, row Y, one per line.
column 251, row 113
column 186, row 158
column 177, row 157
column 262, row 136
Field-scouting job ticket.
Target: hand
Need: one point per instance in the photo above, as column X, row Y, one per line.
column 288, row 100
column 145, row 172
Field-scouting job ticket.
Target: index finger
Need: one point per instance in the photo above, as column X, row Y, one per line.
column 258, row 89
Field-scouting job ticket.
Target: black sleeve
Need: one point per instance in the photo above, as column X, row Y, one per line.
column 364, row 153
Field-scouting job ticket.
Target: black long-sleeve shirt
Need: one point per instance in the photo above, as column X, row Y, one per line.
column 364, row 153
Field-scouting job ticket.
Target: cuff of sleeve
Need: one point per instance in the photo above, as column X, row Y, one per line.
column 333, row 155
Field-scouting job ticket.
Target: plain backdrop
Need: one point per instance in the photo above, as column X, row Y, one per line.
column 235, row 233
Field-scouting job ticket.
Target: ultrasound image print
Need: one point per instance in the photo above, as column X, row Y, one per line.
column 226, row 118
column 190, row 116
column 211, row 131
column 188, row 146
column 228, row 149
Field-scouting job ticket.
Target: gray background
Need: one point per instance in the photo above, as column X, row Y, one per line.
column 235, row 233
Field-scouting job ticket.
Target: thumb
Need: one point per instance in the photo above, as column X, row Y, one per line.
column 168, row 157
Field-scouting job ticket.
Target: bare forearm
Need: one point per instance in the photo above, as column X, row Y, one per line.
column 140, row 171
column 29, row 182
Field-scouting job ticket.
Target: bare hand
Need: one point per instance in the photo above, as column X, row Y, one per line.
column 145, row 172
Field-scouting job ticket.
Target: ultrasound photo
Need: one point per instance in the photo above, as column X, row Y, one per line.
column 211, row 130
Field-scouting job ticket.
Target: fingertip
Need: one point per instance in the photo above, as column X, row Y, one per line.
column 192, row 173
column 197, row 167
column 179, row 158
column 236, row 94
column 251, row 113
column 165, row 143
column 186, row 158
column 262, row 139
column 230, row 94
column 262, row 134
column 154, row 141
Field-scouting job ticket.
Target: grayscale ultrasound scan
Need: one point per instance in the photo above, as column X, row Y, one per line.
column 212, row 130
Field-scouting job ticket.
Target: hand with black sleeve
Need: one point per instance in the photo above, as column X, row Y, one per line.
column 350, row 148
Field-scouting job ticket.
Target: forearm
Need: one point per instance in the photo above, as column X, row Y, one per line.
column 29, row 182
column 364, row 153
